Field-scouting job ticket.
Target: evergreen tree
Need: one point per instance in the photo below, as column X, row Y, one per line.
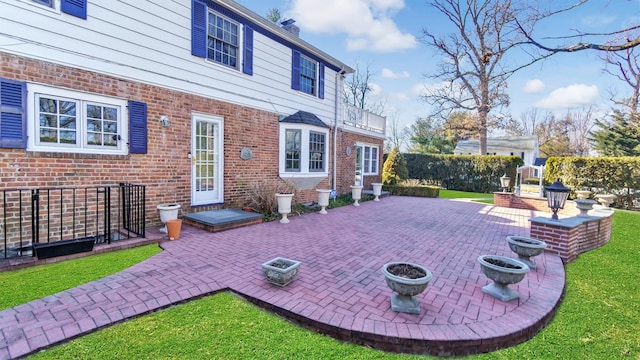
column 616, row 137
column 394, row 168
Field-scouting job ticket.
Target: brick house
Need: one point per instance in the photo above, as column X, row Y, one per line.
column 198, row 100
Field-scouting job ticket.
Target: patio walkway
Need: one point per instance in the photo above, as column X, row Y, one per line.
column 339, row 290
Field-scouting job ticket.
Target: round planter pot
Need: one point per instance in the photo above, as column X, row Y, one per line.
column 323, row 199
column 503, row 271
column 167, row 212
column 284, row 206
column 405, row 287
column 356, row 194
column 526, row 248
column 377, row 191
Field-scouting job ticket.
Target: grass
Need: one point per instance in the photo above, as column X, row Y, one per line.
column 598, row 319
column 21, row 286
column 454, row 194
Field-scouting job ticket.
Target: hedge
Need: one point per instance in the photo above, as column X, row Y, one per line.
column 601, row 175
column 474, row 173
column 420, row 191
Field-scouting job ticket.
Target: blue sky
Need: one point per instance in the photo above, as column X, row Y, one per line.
column 385, row 34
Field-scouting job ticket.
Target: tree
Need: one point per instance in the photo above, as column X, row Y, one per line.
column 615, row 137
column 626, row 67
column 472, row 68
column 398, row 135
column 395, row 168
column 430, row 137
column 275, row 16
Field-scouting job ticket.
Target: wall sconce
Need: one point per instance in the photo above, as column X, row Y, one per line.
column 164, row 121
column 556, row 196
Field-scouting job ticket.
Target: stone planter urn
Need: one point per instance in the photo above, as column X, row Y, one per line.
column 323, row 199
column 583, row 194
column 503, row 271
column 584, row 205
column 167, row 212
column 280, row 271
column 407, row 280
column 356, row 194
column 284, row 206
column 526, row 248
column 377, row 191
column 605, row 199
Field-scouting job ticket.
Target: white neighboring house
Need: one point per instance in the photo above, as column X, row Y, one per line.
column 525, row 147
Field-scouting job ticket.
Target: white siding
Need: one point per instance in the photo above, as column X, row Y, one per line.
column 150, row 42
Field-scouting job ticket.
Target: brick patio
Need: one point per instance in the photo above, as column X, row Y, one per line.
column 340, row 289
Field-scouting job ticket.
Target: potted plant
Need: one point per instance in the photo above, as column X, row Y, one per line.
column 284, row 206
column 356, row 194
column 280, row 271
column 407, row 280
column 503, row 271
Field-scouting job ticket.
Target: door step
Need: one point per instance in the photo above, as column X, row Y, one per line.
column 222, row 219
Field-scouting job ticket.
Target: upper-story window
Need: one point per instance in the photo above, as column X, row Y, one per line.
column 48, row 3
column 222, row 40
column 308, row 75
column 221, row 36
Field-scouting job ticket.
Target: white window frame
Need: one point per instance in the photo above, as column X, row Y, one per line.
column 240, row 49
column 33, row 121
column 306, row 130
column 369, row 170
column 314, row 90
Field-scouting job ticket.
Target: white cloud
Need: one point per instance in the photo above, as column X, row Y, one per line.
column 367, row 23
column 376, row 89
column 571, row 96
column 534, row 86
column 389, row 74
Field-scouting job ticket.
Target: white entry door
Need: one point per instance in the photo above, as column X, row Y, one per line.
column 206, row 160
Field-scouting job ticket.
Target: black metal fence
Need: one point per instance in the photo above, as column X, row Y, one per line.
column 104, row 213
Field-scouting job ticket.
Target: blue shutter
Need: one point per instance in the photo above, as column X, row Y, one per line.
column 198, row 28
column 137, row 127
column 295, row 70
column 321, row 81
column 13, row 115
column 76, row 8
column 247, row 59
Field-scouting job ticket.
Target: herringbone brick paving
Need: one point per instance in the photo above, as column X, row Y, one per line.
column 339, row 290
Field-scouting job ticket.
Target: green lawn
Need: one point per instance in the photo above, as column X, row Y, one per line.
column 21, row 286
column 598, row 319
column 454, row 194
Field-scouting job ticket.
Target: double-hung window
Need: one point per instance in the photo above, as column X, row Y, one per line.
column 317, row 149
column 293, row 148
column 68, row 121
column 222, row 40
column 308, row 75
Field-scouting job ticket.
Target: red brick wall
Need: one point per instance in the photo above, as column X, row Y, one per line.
column 510, row 200
column 347, row 163
column 166, row 168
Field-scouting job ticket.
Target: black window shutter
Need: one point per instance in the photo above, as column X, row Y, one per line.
column 321, row 81
column 247, row 60
column 295, row 70
column 13, row 114
column 76, row 8
column 137, row 127
column 198, row 28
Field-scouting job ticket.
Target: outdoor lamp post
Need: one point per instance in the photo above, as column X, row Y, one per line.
column 556, row 197
column 504, row 182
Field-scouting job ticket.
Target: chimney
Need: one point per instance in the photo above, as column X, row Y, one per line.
column 290, row 27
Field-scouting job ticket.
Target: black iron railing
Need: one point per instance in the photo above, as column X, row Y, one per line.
column 104, row 213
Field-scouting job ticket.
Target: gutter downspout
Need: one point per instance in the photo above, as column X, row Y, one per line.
column 339, row 75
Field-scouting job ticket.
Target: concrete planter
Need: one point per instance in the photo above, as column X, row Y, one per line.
column 284, row 206
column 167, row 212
column 356, row 194
column 503, row 271
column 526, row 248
column 406, row 288
column 377, row 191
column 280, row 271
column 323, row 199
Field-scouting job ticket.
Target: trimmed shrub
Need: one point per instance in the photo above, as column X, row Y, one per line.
column 395, row 168
column 420, row 191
